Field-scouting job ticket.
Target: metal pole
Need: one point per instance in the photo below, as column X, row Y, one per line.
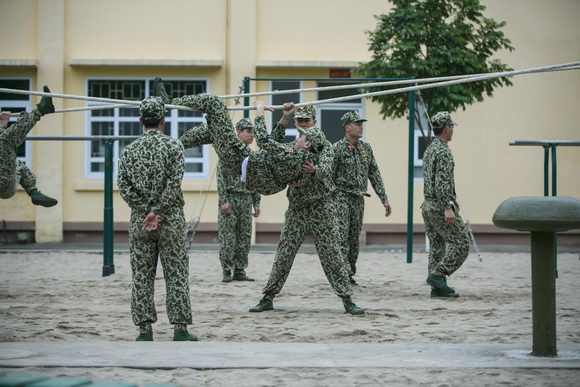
column 554, row 166
column 246, row 99
column 546, row 170
column 554, row 190
column 543, row 294
column 108, row 264
column 411, row 177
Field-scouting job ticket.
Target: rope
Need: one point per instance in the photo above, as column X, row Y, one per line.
column 439, row 82
column 566, row 66
column 371, row 84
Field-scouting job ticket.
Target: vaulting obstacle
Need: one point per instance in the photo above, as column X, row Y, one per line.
column 542, row 216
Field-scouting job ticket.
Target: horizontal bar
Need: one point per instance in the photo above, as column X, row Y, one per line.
column 329, row 79
column 81, row 138
column 543, row 143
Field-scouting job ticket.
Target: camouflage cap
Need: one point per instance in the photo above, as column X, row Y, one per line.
column 351, row 117
column 314, row 135
column 152, row 108
column 243, row 124
column 441, row 120
column 307, row 111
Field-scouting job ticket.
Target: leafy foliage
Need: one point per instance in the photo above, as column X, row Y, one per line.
column 435, row 38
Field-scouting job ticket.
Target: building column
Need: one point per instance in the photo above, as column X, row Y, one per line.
column 241, row 43
column 48, row 155
column 241, row 53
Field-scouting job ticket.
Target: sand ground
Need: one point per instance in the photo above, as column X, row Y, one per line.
column 62, row 296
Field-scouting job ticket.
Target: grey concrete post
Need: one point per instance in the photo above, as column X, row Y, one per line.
column 542, row 216
column 543, row 294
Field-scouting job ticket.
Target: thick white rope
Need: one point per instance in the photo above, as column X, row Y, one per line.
column 565, row 66
column 447, row 81
column 375, row 84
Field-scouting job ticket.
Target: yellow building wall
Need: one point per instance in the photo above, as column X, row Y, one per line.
column 63, row 42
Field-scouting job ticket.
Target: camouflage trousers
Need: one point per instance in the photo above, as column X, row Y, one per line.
column 12, row 170
column 269, row 170
column 23, row 176
column 318, row 218
column 350, row 223
column 448, row 243
column 235, row 232
column 169, row 245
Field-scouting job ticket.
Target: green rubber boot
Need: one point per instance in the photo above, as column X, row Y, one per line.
column 439, row 282
column 183, row 335
column 350, row 307
column 160, row 91
column 40, row 199
column 148, row 336
column 227, row 276
column 45, row 105
column 240, row 275
column 438, row 293
column 264, row 304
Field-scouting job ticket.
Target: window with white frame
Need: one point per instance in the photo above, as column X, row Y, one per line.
column 420, row 147
column 16, row 103
column 125, row 121
column 420, row 137
column 329, row 114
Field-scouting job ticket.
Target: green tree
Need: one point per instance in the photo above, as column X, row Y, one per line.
column 436, row 38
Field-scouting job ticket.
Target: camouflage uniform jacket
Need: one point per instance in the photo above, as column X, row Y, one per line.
column 319, row 185
column 438, row 166
column 150, row 172
column 354, row 166
column 228, row 184
column 275, row 165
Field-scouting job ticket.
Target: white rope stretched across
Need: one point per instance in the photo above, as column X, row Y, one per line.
column 378, row 84
column 440, row 82
column 565, row 66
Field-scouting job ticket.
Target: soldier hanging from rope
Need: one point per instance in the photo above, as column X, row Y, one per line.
column 13, row 171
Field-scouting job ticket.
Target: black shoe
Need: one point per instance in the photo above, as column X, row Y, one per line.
column 438, row 293
column 263, row 305
column 45, row 105
column 439, row 282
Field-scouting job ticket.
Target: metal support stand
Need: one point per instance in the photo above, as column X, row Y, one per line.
column 108, row 264
column 411, row 176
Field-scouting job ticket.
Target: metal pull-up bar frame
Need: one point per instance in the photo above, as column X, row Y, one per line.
column 108, row 223
column 549, row 147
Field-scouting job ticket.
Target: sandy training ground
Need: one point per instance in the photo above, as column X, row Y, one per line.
column 58, row 296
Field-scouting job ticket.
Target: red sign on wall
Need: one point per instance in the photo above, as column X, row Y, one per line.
column 339, row 73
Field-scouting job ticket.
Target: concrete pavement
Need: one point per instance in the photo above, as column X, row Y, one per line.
column 219, row 355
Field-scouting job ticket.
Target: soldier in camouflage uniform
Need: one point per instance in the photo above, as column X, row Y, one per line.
column 448, row 240
column 235, row 215
column 312, row 209
column 12, row 170
column 354, row 166
column 267, row 171
column 150, row 173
